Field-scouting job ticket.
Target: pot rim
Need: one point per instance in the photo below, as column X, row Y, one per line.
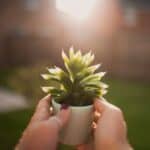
column 73, row 107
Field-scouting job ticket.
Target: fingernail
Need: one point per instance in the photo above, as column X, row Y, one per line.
column 64, row 106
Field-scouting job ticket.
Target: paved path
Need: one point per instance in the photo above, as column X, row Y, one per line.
column 10, row 101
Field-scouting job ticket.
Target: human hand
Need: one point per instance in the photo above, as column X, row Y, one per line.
column 43, row 130
column 110, row 132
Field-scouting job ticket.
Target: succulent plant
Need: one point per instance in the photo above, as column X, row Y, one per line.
column 78, row 84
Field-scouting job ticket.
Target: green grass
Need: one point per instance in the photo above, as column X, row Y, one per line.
column 4, row 76
column 11, row 127
column 132, row 97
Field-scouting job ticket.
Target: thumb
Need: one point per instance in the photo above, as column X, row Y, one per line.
column 103, row 106
column 61, row 118
column 63, row 115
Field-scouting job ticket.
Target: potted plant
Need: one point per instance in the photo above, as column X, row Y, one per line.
column 78, row 86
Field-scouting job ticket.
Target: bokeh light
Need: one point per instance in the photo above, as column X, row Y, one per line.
column 80, row 9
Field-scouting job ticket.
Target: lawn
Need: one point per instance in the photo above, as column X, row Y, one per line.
column 132, row 97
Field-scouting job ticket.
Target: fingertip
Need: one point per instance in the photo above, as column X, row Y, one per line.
column 47, row 97
column 44, row 102
column 97, row 105
column 100, row 104
column 61, row 118
column 64, row 115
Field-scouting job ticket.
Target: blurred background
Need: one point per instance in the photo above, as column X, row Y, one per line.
column 32, row 35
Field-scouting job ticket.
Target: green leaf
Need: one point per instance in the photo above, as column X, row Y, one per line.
column 87, row 71
column 66, row 63
column 103, row 85
column 46, row 89
column 65, row 58
column 93, row 77
column 71, row 53
column 93, row 68
column 78, row 54
column 56, row 71
column 52, row 90
column 103, row 91
column 88, row 58
column 51, row 78
column 92, row 84
column 45, row 76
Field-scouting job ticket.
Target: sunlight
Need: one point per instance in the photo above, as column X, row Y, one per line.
column 80, row 9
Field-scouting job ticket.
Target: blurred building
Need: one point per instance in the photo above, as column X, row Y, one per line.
column 32, row 31
column 29, row 31
column 133, row 44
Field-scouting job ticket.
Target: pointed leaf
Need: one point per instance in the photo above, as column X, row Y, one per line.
column 93, row 77
column 45, row 76
column 71, row 53
column 65, row 58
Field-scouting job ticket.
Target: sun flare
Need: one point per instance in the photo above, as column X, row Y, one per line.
column 79, row 9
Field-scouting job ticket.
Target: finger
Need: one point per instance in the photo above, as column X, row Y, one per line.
column 103, row 105
column 99, row 106
column 108, row 110
column 42, row 110
column 96, row 116
column 94, row 126
column 61, row 118
column 64, row 116
column 44, row 102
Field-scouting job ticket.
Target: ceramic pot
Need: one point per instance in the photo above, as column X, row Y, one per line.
column 78, row 129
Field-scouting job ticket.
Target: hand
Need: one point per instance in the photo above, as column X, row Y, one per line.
column 43, row 130
column 110, row 131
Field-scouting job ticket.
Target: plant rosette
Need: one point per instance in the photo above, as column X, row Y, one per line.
column 77, row 87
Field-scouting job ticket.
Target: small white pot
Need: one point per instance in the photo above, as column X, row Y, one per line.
column 78, row 129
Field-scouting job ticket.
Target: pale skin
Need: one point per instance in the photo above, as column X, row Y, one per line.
column 42, row 133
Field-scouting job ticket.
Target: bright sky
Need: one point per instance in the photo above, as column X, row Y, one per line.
column 76, row 8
